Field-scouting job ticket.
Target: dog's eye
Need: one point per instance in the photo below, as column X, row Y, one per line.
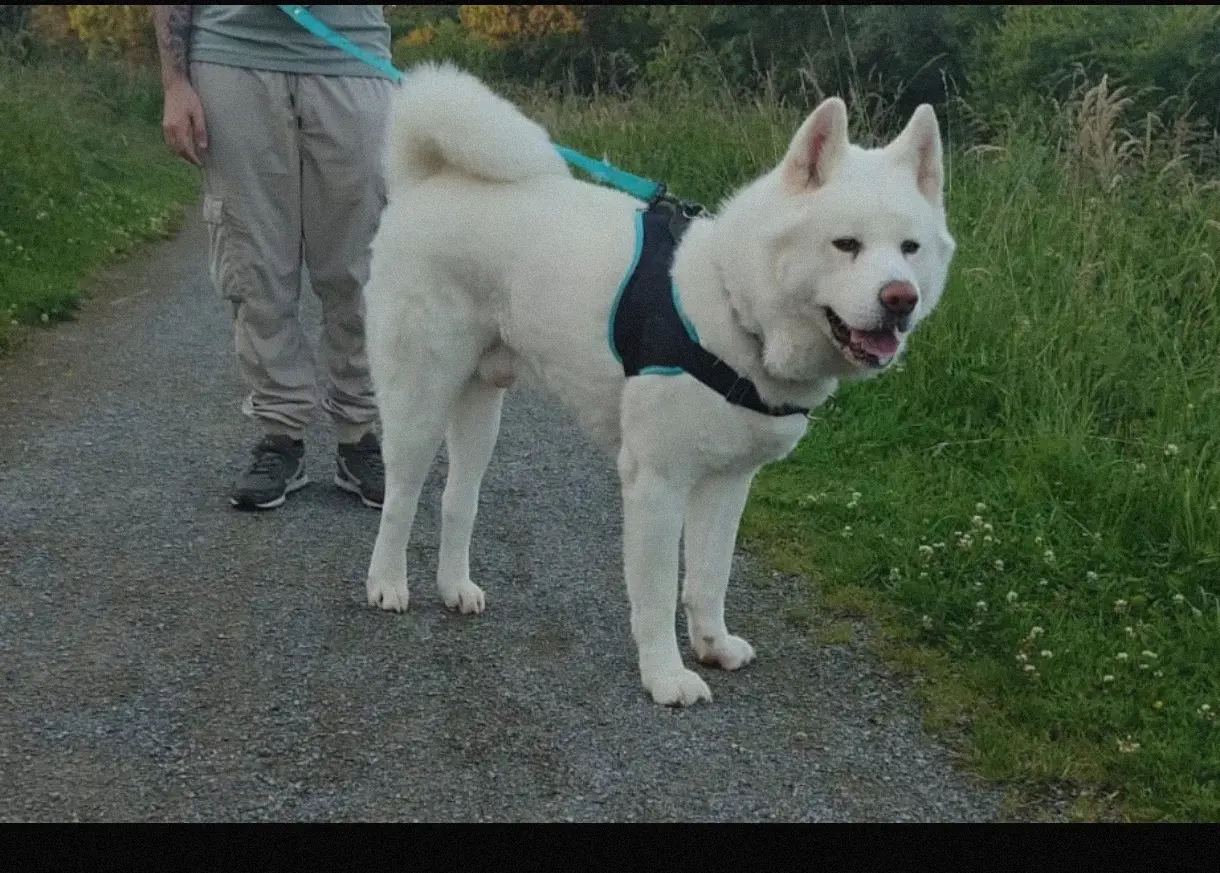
column 848, row 244
column 909, row 247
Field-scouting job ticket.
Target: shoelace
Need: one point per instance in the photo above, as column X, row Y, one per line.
column 266, row 460
column 370, row 453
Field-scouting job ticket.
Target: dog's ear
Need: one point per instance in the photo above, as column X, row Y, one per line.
column 919, row 145
column 816, row 148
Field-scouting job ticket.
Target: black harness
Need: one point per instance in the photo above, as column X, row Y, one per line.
column 648, row 332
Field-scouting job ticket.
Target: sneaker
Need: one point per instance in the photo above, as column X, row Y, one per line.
column 278, row 468
column 359, row 469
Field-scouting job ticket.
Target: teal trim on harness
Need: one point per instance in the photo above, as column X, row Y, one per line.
column 602, row 171
column 653, row 369
column 686, row 322
column 635, row 260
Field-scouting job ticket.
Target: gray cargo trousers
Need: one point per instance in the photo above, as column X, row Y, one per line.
column 292, row 176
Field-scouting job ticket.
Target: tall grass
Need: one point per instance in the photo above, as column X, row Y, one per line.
column 1030, row 501
column 83, row 177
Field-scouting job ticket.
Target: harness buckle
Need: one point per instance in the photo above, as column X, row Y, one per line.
column 680, row 211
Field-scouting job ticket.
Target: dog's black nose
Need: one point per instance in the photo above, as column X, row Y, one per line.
column 899, row 298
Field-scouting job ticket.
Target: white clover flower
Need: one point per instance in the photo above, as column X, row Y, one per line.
column 926, row 621
column 923, row 574
column 1148, row 654
column 1171, row 450
column 1042, row 583
column 1129, row 631
column 847, row 530
column 1159, row 674
column 1046, row 653
column 1030, row 668
column 1140, row 467
column 1049, row 556
column 925, row 552
column 987, row 527
column 1128, row 746
column 1120, row 605
column 1022, row 657
column 1012, row 596
column 894, row 574
column 1091, row 576
column 1178, row 598
column 981, row 606
column 980, row 507
column 1035, row 632
column 999, row 565
column 965, row 541
column 1038, row 540
column 1107, row 678
column 1121, row 656
column 976, row 521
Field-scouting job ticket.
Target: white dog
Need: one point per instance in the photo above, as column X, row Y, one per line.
column 491, row 261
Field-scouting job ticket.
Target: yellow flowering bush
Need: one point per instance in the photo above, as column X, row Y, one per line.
column 420, row 35
column 126, row 30
column 497, row 25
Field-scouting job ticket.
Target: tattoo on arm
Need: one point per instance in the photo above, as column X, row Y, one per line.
column 173, row 26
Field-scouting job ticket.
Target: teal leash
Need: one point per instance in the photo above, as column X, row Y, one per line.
column 604, row 172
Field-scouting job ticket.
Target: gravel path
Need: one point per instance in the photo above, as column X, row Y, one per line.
column 163, row 657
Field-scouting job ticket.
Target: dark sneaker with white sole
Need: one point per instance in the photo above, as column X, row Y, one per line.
column 278, row 469
column 359, row 469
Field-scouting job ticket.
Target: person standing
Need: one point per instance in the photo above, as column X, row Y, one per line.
column 287, row 130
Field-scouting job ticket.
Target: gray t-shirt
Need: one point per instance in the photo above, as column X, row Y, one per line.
column 265, row 38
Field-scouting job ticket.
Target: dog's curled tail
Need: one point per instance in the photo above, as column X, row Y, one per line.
column 442, row 118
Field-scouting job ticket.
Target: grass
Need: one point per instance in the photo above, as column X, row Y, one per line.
column 1027, row 506
column 84, row 176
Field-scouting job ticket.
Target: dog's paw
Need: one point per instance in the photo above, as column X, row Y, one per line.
column 681, row 688
column 727, row 653
column 466, row 597
column 390, row 595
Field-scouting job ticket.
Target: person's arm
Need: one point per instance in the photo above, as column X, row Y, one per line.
column 182, row 121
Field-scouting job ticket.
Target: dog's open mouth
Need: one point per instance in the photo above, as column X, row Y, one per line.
column 872, row 348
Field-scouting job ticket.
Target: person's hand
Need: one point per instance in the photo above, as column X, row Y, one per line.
column 182, row 122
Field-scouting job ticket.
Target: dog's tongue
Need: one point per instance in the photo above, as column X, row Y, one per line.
column 879, row 343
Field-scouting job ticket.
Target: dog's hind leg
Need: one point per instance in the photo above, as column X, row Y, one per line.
column 415, row 397
column 470, row 439
column 712, row 516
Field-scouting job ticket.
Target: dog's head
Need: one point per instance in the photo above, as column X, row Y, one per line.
column 840, row 251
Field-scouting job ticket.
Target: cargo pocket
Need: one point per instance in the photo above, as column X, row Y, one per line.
column 230, row 253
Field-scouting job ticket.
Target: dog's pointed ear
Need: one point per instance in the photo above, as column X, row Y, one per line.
column 817, row 147
column 919, row 145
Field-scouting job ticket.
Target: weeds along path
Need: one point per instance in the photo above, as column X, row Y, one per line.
column 164, row 657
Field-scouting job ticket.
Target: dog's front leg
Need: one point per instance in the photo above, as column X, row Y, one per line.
column 652, row 528
column 712, row 517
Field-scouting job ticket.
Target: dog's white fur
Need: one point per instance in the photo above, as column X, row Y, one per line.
column 491, row 261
